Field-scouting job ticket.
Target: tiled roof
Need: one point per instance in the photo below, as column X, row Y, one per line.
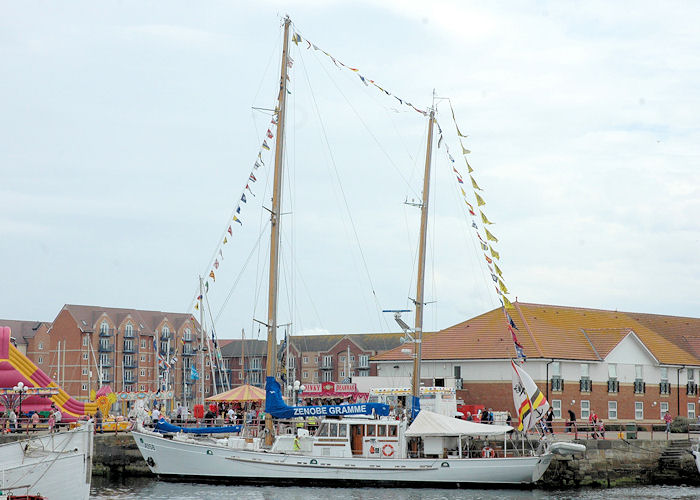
column 234, row 348
column 23, row 330
column 376, row 342
column 559, row 332
column 86, row 316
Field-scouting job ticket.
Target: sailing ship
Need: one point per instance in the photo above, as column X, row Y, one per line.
column 56, row 466
column 354, row 443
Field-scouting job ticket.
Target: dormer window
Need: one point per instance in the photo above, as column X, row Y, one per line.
column 104, row 327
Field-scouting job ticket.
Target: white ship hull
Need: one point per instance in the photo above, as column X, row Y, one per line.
column 170, row 458
column 57, row 466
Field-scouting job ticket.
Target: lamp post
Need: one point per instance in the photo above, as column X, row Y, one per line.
column 298, row 388
column 21, row 389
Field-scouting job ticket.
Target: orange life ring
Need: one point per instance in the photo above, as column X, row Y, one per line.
column 387, row 453
column 487, row 452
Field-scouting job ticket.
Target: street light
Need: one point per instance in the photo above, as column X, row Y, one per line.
column 21, row 389
column 298, row 388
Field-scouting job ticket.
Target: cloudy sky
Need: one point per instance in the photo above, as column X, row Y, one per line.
column 127, row 136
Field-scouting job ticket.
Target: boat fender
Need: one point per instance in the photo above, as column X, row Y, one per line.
column 487, row 452
column 387, row 450
column 371, row 449
column 150, row 462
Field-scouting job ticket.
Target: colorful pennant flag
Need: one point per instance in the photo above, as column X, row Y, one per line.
column 490, row 236
column 212, row 276
column 484, row 219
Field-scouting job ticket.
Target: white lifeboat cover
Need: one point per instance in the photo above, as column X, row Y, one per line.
column 428, row 423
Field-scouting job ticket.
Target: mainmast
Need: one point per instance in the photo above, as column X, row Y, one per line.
column 202, row 337
column 420, row 282
column 275, row 219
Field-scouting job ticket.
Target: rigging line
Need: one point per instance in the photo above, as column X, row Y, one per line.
column 238, row 278
column 376, row 140
column 311, row 301
column 345, row 201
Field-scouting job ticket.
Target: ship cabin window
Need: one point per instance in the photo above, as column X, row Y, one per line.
column 333, row 430
column 381, row 430
column 323, row 430
column 342, row 430
column 371, row 430
column 392, row 431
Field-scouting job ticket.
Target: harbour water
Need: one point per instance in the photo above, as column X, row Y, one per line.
column 151, row 489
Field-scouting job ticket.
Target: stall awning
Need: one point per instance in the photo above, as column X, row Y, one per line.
column 428, row 423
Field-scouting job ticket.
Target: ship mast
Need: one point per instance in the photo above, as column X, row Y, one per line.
column 420, row 282
column 275, row 219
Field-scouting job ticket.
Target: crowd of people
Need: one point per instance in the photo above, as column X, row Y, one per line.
column 11, row 421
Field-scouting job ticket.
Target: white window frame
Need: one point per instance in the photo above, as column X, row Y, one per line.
column 85, row 356
column 40, row 360
column 86, row 340
column 143, row 343
column 327, row 376
column 142, row 372
column 40, row 346
column 691, row 374
column 663, row 373
column 556, row 369
column 639, row 410
column 612, row 370
column 691, row 410
column 306, row 359
column 342, row 374
column 585, row 409
column 585, row 370
column 556, row 406
column 305, row 375
column 342, row 359
column 83, row 387
column 104, row 327
column 663, row 408
column 84, row 372
column 142, row 387
column 612, row 410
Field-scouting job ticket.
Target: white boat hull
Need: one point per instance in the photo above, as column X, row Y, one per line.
column 57, row 466
column 193, row 461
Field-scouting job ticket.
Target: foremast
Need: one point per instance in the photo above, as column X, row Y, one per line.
column 420, row 281
column 275, row 219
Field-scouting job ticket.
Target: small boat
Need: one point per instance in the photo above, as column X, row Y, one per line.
column 56, row 466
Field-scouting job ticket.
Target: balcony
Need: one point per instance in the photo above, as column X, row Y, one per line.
column 129, row 364
column 640, row 387
column 106, row 378
column 557, row 384
column 585, row 384
column 665, row 387
column 691, row 389
column 129, row 334
column 129, row 349
column 107, row 333
column 363, row 364
column 326, row 365
column 105, row 347
column 105, row 363
column 613, row 385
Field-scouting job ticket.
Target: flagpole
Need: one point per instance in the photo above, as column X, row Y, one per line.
column 201, row 341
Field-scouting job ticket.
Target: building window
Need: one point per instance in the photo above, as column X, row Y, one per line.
column 663, row 406
column 240, row 376
column 40, row 360
column 664, row 373
column 306, row 359
column 142, row 387
column 143, row 343
column 315, row 376
column 585, row 409
column 85, row 356
column 639, row 410
column 342, row 359
column 327, row 363
column 104, row 327
column 86, row 340
column 612, row 410
column 316, row 359
column 142, row 357
column 305, row 375
column 83, row 387
column 613, row 383
column 352, row 357
column 556, row 406
column 585, row 384
column 188, row 334
column 255, row 363
column 142, row 372
column 84, row 372
column 691, row 410
column 364, row 361
column 165, row 332
column 327, row 376
column 342, row 373
column 207, row 376
column 128, row 345
column 129, row 330
column 41, row 346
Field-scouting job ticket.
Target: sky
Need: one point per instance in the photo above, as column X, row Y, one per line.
column 128, row 133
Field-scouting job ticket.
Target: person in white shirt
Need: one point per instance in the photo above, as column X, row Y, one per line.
column 231, row 415
column 155, row 415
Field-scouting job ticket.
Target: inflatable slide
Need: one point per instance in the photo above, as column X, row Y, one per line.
column 16, row 367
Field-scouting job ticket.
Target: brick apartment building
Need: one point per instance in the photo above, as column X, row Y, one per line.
column 86, row 346
column 620, row 365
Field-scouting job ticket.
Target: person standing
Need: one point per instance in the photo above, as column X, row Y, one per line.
column 98, row 421
column 13, row 420
column 571, row 427
column 35, row 419
column 52, row 422
column 668, row 419
column 57, row 418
